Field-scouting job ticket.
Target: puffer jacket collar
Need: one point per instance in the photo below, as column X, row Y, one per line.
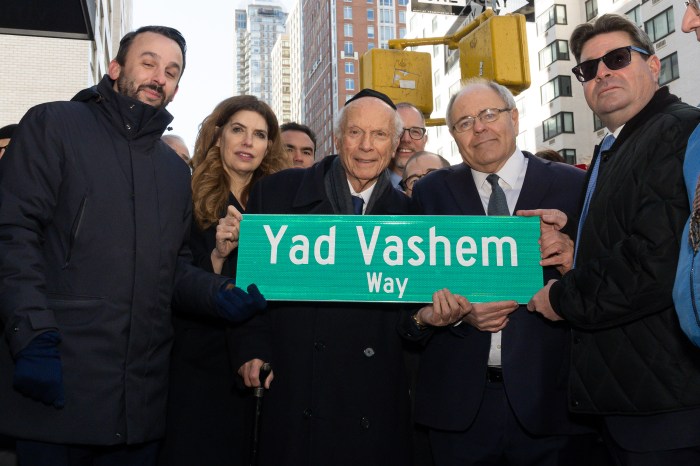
column 131, row 118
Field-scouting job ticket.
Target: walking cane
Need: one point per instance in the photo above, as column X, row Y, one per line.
column 258, row 393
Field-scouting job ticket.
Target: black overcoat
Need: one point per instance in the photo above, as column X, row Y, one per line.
column 340, row 394
column 94, row 217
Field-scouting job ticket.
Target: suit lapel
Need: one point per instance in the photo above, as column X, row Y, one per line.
column 536, row 184
column 460, row 183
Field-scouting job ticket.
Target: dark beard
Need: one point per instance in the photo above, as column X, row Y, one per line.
column 129, row 88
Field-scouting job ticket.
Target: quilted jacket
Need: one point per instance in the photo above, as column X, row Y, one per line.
column 629, row 355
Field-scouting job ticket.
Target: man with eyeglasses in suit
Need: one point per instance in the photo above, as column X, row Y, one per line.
column 413, row 139
column 632, row 367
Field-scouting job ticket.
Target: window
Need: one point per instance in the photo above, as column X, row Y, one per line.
column 660, row 25
column 347, row 12
column 370, row 15
column 436, row 78
column 669, row 69
column 597, row 123
column 370, row 46
column 349, row 67
column 591, row 9
column 402, row 17
column 437, row 104
column 557, row 87
column 436, row 50
column 386, row 16
column 386, row 2
column 402, row 2
column 556, row 14
column 402, row 33
column 349, row 84
column 348, row 48
column 370, row 32
column 557, row 50
column 347, row 30
column 569, row 155
column 562, row 122
column 435, row 23
column 633, row 15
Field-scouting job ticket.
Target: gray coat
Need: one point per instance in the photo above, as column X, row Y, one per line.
column 94, row 217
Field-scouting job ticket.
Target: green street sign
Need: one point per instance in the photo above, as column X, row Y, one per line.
column 389, row 258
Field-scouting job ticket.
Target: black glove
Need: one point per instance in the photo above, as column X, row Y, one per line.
column 235, row 305
column 38, row 372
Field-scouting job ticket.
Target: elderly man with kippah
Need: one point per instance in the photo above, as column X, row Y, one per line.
column 340, row 394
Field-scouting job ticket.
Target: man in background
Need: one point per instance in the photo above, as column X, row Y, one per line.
column 420, row 164
column 300, row 144
column 413, row 139
column 177, row 144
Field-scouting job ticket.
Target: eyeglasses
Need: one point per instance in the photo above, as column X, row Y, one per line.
column 411, row 180
column 614, row 60
column 415, row 132
column 488, row 115
column 695, row 4
column 2, row 148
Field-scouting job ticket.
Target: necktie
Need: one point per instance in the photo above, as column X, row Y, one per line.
column 357, row 203
column 607, row 143
column 497, row 202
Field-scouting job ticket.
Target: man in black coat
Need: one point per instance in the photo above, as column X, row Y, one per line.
column 631, row 364
column 340, row 393
column 492, row 388
column 94, row 220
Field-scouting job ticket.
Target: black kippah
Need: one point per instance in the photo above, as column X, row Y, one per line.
column 372, row 93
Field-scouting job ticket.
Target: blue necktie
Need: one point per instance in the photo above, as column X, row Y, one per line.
column 607, row 143
column 357, row 203
column 497, row 201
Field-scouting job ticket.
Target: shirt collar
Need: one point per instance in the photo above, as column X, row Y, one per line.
column 365, row 195
column 509, row 172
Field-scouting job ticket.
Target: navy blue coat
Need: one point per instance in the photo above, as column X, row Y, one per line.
column 94, row 220
column 535, row 354
column 340, row 393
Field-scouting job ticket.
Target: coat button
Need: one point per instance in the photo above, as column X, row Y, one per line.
column 319, row 346
column 369, row 352
column 118, row 435
column 307, row 413
column 364, row 423
column 574, row 403
column 128, row 127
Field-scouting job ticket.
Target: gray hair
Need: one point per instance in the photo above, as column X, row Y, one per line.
column 467, row 84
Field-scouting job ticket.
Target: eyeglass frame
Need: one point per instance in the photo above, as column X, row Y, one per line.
column 495, row 111
column 695, row 4
column 415, row 128
column 404, row 183
column 577, row 71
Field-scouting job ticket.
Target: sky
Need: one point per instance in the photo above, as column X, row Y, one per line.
column 208, row 27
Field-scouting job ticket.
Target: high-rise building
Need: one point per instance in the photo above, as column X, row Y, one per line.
column 281, row 70
column 294, row 31
column 53, row 64
column 335, row 35
column 257, row 28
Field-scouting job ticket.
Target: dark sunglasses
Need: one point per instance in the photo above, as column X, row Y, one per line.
column 614, row 60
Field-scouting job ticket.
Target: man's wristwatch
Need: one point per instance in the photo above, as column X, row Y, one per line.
column 419, row 324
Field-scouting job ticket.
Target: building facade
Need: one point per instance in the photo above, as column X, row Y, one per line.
column 41, row 68
column 281, row 80
column 264, row 23
column 553, row 111
column 335, row 34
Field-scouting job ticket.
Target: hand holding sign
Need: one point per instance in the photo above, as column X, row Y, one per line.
column 227, row 233
column 490, row 317
column 540, row 303
column 447, row 308
column 557, row 249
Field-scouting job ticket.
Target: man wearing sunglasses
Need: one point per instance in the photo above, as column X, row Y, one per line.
column 413, row 139
column 631, row 364
column 686, row 290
